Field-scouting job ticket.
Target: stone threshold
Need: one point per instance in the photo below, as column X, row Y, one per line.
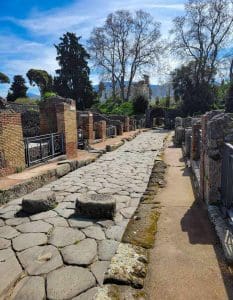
column 61, row 169
column 124, row 279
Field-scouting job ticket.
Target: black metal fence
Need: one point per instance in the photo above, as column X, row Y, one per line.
column 43, row 147
column 227, row 176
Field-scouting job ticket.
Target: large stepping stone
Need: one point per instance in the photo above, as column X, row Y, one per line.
column 68, row 282
column 39, row 202
column 63, row 236
column 83, row 253
column 28, row 240
column 30, row 288
column 97, row 206
column 40, row 259
column 10, row 270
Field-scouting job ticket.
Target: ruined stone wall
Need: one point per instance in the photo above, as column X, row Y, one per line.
column 100, row 130
column 12, row 157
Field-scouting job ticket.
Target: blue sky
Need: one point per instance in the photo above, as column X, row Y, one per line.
column 30, row 28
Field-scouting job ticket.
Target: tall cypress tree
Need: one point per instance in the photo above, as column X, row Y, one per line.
column 72, row 80
column 18, row 89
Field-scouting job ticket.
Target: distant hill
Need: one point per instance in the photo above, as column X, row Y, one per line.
column 33, row 96
column 157, row 90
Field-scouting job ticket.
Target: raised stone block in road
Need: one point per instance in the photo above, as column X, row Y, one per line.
column 38, row 202
column 97, row 206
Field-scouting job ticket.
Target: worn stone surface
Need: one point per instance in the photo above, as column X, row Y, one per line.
column 80, row 222
column 30, row 288
column 4, row 243
column 115, row 233
column 89, row 295
column 128, row 266
column 36, row 226
column 57, row 221
column 40, row 259
column 62, row 236
column 17, row 221
column 107, row 248
column 68, row 282
column 96, row 206
column 83, row 253
column 94, row 232
column 99, row 268
column 8, row 232
column 27, row 240
column 10, row 270
column 38, row 202
column 43, row 215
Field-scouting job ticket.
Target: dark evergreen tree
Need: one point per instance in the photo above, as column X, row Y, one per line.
column 140, row 104
column 72, row 80
column 18, row 89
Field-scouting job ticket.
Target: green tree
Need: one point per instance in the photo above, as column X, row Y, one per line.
column 42, row 79
column 18, row 89
column 140, row 104
column 4, row 78
column 196, row 96
column 72, row 80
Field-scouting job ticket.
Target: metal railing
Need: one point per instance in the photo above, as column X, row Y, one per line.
column 227, row 175
column 43, row 147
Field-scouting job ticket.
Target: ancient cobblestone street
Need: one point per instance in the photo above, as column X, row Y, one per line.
column 60, row 254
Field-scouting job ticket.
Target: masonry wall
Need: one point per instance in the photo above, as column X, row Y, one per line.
column 12, row 157
column 67, row 124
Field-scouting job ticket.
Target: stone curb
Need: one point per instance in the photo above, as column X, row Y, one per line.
column 128, row 266
column 63, row 168
column 224, row 232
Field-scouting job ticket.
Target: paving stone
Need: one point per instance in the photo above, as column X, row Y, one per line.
column 57, row 221
column 27, row 240
column 88, row 295
column 10, row 270
column 8, row 215
column 36, row 226
column 38, row 202
column 2, row 223
column 30, row 288
column 68, row 282
column 65, row 213
column 115, row 232
column 94, row 232
column 99, row 268
column 10, row 208
column 63, row 236
column 40, row 259
column 17, row 221
column 4, row 243
column 128, row 212
column 107, row 248
column 44, row 215
column 80, row 222
column 83, row 253
column 105, row 223
column 98, row 206
column 8, row 232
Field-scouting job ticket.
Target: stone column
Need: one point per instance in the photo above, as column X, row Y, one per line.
column 126, row 124
column 100, row 128
column 120, row 128
column 12, row 156
column 67, row 124
column 195, row 147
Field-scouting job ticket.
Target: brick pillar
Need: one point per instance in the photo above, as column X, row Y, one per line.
column 48, row 119
column 120, row 128
column 100, row 128
column 195, row 148
column 67, row 124
column 126, row 124
column 12, row 157
column 89, row 124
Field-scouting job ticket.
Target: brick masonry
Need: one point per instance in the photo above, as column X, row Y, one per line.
column 12, row 157
column 100, row 130
column 67, row 124
column 85, row 121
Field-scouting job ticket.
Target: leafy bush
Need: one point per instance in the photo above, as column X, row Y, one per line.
column 27, row 101
column 49, row 94
column 117, row 107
